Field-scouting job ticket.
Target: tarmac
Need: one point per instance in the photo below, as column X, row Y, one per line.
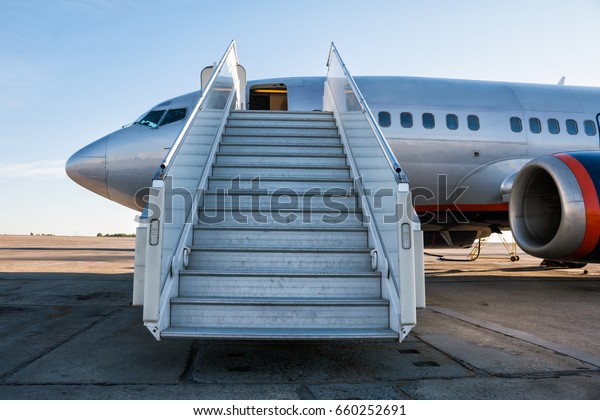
column 493, row 329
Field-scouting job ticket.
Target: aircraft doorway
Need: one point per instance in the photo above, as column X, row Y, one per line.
column 269, row 97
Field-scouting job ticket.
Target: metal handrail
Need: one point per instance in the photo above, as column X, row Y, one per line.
column 166, row 163
column 399, row 175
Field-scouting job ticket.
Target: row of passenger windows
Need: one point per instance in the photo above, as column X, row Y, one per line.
column 428, row 120
column 516, row 125
column 155, row 118
column 535, row 126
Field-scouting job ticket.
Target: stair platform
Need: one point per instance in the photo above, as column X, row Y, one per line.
column 282, row 334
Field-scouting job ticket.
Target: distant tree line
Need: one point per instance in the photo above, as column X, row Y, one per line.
column 116, row 235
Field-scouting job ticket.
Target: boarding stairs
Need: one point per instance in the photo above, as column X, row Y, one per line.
column 264, row 262
column 273, row 241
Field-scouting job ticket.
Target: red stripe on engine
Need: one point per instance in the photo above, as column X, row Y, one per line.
column 592, row 207
column 462, row 207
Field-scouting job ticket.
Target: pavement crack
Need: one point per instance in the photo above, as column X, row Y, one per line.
column 49, row 350
column 402, row 394
column 558, row 348
column 305, row 393
column 187, row 376
column 546, row 374
column 477, row 371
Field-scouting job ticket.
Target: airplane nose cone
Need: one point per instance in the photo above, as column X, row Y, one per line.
column 87, row 167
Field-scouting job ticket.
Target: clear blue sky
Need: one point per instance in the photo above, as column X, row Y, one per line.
column 72, row 71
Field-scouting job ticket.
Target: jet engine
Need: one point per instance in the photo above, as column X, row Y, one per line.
column 554, row 212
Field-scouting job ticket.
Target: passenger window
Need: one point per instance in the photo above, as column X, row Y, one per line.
column 385, row 119
column 590, row 127
column 553, row 126
column 173, row 115
column 406, row 119
column 152, row 118
column 535, row 125
column 572, row 127
column 473, row 122
column 451, row 121
column 516, row 125
column 428, row 120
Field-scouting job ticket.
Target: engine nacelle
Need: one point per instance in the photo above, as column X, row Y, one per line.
column 554, row 211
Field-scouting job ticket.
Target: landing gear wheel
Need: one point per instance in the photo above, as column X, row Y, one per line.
column 513, row 258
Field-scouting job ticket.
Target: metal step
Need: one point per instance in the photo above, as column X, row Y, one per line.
column 283, row 333
column 301, row 159
column 272, row 184
column 280, row 201
column 284, row 218
column 279, row 284
column 280, row 237
column 266, row 149
column 297, row 260
column 279, row 313
column 282, row 131
column 281, row 115
column 281, row 140
column 233, row 170
column 280, row 122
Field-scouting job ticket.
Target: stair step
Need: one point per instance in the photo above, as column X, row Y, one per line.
column 301, row 159
column 233, row 170
column 261, row 301
column 283, row 131
column 315, row 149
column 283, row 333
column 261, row 259
column 279, row 313
column 335, row 199
column 289, row 218
column 281, row 115
column 298, row 185
column 282, row 123
column 281, row 140
column 305, row 238
column 273, row 284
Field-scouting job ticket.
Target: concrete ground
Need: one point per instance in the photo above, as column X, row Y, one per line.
column 493, row 329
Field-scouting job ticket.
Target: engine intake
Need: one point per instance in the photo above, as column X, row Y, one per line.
column 554, row 211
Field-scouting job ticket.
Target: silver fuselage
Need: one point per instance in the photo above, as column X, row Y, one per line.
column 449, row 169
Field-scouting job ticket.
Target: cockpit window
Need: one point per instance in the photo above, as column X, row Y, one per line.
column 152, row 118
column 173, row 115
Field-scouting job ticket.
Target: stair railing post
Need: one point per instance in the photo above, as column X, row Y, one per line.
column 139, row 270
column 406, row 255
column 419, row 266
column 153, row 272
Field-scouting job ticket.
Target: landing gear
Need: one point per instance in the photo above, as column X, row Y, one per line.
column 476, row 251
column 511, row 248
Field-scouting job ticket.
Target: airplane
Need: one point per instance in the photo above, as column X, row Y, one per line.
column 481, row 156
